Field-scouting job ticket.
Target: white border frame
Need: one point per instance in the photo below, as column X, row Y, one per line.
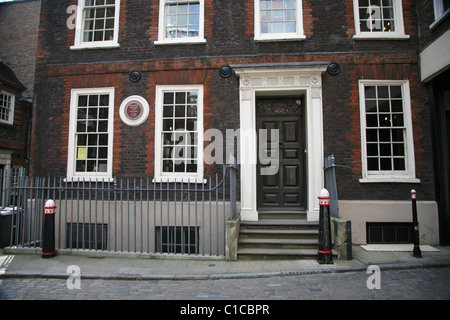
column 409, row 175
column 11, row 109
column 297, row 36
column 80, row 45
column 162, row 40
column 178, row 176
column 399, row 34
column 142, row 118
column 72, row 175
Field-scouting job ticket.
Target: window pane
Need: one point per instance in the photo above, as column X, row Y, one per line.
column 289, row 4
column 91, row 121
column 385, row 146
column 99, row 21
column 398, row 149
column 182, row 19
column 372, row 120
column 372, row 149
column 372, row 135
column 179, row 150
column 396, row 92
column 372, row 164
column 399, row 164
column 397, row 105
column 278, row 16
column 370, row 92
column 385, row 164
column 383, row 92
column 168, row 111
column 376, row 16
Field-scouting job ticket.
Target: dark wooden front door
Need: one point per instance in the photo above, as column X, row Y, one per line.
column 285, row 190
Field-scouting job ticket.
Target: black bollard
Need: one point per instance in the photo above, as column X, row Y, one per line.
column 48, row 238
column 416, row 251
column 325, row 254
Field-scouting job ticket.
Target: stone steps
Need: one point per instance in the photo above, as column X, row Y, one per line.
column 279, row 235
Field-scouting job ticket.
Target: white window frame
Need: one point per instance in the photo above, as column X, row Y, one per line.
column 163, row 40
column 398, row 34
column 161, row 176
column 11, row 107
column 292, row 36
column 409, row 174
column 439, row 13
column 79, row 30
column 72, row 175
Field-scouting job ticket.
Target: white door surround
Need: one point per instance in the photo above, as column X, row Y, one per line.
column 280, row 80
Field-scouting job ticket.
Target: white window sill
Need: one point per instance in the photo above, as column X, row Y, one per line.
column 273, row 38
column 96, row 46
column 381, row 36
column 10, row 123
column 389, row 179
column 89, row 179
column 180, row 41
column 191, row 180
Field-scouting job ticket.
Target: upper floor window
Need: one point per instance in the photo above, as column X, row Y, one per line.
column 278, row 20
column 181, row 21
column 441, row 8
column 6, row 107
column 379, row 19
column 97, row 24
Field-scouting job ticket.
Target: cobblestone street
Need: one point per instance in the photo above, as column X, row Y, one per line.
column 410, row 284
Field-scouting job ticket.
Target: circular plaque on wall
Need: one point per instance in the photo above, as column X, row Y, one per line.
column 134, row 110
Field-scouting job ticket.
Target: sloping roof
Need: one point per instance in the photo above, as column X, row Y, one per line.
column 8, row 77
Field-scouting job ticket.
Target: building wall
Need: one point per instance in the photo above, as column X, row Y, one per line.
column 435, row 64
column 329, row 28
column 19, row 27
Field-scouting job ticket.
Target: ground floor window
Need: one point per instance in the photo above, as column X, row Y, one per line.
column 177, row 240
column 90, row 134
column 386, row 130
column 389, row 233
column 179, row 133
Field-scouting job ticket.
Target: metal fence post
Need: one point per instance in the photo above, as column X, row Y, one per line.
column 325, row 254
column 233, row 169
column 416, row 251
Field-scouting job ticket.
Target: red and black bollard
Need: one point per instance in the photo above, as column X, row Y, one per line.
column 416, row 251
column 48, row 240
column 325, row 254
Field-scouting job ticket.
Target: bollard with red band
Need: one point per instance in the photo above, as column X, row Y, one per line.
column 325, row 253
column 48, row 238
column 416, row 251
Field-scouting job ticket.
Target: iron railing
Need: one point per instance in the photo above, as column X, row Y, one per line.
column 330, row 181
column 126, row 215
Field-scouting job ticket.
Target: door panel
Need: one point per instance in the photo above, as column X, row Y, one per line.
column 286, row 189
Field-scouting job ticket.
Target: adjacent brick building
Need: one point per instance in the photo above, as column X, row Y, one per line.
column 434, row 26
column 19, row 24
column 115, row 78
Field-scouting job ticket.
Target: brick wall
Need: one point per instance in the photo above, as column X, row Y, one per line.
column 19, row 25
column 425, row 20
column 329, row 27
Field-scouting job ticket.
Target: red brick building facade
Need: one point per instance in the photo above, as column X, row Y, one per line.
column 372, row 113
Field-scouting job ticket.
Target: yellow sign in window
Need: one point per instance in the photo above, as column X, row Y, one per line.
column 82, row 151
